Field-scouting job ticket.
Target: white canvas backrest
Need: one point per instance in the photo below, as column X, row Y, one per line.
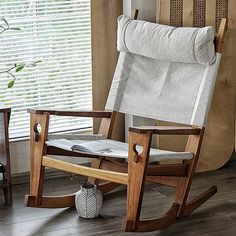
column 163, row 72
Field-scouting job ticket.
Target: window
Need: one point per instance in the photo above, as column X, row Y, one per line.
column 56, row 32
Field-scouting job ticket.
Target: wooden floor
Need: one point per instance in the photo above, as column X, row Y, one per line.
column 217, row 217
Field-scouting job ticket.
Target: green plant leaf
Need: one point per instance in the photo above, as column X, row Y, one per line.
column 15, row 28
column 37, row 62
column 19, row 68
column 10, row 84
column 3, row 19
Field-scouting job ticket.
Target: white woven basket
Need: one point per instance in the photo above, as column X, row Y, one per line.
column 88, row 201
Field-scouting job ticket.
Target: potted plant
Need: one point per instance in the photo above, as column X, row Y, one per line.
column 17, row 67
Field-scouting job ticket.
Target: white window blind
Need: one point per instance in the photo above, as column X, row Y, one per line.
column 56, row 32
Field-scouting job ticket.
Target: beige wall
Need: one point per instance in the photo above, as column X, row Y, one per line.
column 104, row 56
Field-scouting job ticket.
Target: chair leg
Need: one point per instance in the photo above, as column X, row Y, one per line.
column 184, row 184
column 107, row 187
column 103, row 187
column 7, row 192
column 37, row 150
column 95, row 163
column 137, row 165
column 181, row 194
column 198, row 201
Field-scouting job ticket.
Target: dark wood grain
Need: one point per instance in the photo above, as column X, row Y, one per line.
column 166, row 130
column 5, row 154
column 152, row 169
column 99, row 114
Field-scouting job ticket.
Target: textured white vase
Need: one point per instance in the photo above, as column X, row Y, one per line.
column 88, row 201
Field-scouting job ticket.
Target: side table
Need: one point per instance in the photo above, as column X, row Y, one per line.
column 5, row 168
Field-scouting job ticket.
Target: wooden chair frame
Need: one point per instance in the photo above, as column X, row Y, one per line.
column 134, row 175
column 5, row 155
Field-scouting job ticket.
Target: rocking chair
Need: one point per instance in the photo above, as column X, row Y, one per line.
column 163, row 73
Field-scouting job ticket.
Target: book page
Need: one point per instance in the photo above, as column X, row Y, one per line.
column 63, row 143
column 91, row 146
column 103, row 147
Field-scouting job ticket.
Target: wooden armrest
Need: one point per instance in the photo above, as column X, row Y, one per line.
column 98, row 114
column 170, row 130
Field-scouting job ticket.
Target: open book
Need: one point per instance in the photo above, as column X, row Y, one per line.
column 101, row 147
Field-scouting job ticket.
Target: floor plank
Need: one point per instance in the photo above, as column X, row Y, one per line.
column 216, row 217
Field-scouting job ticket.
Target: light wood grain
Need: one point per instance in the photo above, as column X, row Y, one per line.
column 37, row 150
column 95, row 163
column 164, row 12
column 107, row 125
column 137, row 166
column 187, row 13
column 211, row 13
column 221, row 35
column 112, row 176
